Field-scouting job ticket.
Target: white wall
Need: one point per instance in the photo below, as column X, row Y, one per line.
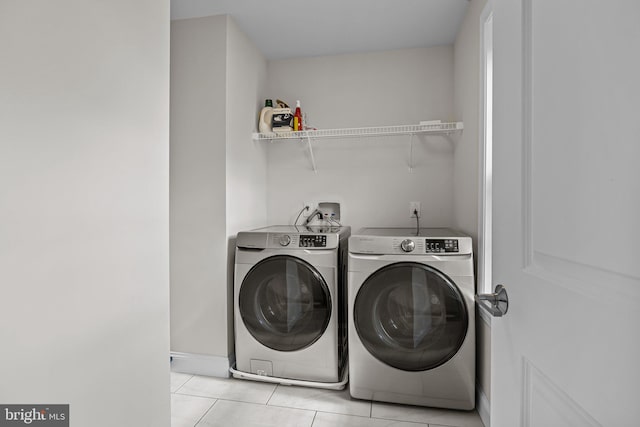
column 246, row 195
column 245, row 158
column 467, row 108
column 84, row 184
column 198, row 186
column 368, row 176
column 218, row 177
column 466, row 161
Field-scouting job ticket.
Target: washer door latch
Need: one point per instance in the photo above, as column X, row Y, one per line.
column 498, row 301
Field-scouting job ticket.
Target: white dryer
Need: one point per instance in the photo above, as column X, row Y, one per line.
column 290, row 305
column 412, row 317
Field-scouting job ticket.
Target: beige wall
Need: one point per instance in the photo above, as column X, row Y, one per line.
column 84, row 246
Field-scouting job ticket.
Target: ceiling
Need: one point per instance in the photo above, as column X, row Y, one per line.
column 289, row 29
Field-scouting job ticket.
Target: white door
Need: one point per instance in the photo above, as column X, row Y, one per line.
column 567, row 213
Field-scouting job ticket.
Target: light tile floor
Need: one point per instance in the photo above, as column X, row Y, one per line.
column 206, row 401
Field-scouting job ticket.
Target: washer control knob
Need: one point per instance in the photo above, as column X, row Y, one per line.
column 285, row 240
column 408, row 245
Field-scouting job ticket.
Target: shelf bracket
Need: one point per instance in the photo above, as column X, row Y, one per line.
column 411, row 153
column 313, row 159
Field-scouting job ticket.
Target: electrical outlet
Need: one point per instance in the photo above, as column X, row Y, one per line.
column 413, row 208
column 312, row 207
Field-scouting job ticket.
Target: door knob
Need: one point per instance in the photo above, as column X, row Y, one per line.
column 498, row 301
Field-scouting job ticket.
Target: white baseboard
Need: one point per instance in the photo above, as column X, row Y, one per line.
column 483, row 406
column 200, row 364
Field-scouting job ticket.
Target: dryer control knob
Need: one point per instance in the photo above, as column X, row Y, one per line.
column 285, row 240
column 408, row 245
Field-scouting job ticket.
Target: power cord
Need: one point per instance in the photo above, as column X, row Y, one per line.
column 306, row 208
column 314, row 214
column 415, row 213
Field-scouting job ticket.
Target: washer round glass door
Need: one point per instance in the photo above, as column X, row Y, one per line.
column 285, row 303
column 410, row 316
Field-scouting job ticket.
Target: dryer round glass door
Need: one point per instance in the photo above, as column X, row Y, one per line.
column 285, row 303
column 410, row 316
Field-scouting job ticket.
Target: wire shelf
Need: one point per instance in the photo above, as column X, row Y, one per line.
column 434, row 128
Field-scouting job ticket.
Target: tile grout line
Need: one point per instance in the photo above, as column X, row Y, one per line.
column 325, row 411
column 225, row 399
column 350, row 415
column 182, row 385
column 204, row 397
column 417, row 423
column 206, row 412
column 272, row 393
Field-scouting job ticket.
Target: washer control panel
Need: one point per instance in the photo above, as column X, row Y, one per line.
column 313, row 241
column 437, row 246
column 293, row 238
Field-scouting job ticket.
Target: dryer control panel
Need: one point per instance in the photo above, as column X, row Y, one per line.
column 436, row 242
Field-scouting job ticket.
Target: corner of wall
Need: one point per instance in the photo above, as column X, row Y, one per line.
column 245, row 158
column 198, row 235
column 245, row 161
column 467, row 108
column 467, row 105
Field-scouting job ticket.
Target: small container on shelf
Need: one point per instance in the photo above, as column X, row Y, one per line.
column 264, row 122
column 281, row 120
column 297, row 118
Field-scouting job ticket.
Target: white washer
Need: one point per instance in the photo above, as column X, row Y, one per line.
column 290, row 305
column 412, row 317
